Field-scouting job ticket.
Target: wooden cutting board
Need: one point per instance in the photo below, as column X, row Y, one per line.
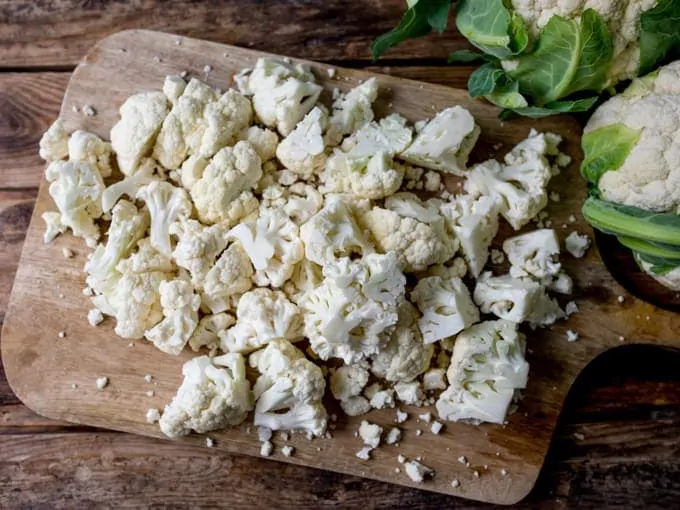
column 56, row 376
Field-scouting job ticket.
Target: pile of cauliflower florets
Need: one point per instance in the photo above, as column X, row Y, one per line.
column 250, row 221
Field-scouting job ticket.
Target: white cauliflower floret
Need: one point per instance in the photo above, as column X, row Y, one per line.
column 214, row 394
column 302, row 151
column 180, row 309
column 262, row 316
column 352, row 110
column 445, row 142
column 487, row 366
column 289, row 391
column 173, row 88
column 348, row 381
column 230, row 277
column 446, row 306
column 534, row 253
column 370, row 433
column 182, row 131
column 207, row 332
column 264, row 141
column 76, row 188
column 53, row 226
column 89, row 148
column 405, row 356
column 577, row 244
column 167, row 204
column 224, row 120
column 418, row 244
column 128, row 225
column 333, row 232
column 410, row 393
column 372, row 177
column 273, row 244
column 475, row 224
column 146, row 258
column 230, row 172
column 348, row 315
column 134, row 135
column 282, row 93
column 519, row 185
column 506, row 297
column 191, row 171
column 197, row 247
column 302, row 202
column 54, row 142
column 390, row 135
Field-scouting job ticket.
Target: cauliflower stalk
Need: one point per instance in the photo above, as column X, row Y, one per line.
column 166, row 204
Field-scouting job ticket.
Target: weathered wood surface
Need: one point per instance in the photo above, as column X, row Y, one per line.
column 626, row 405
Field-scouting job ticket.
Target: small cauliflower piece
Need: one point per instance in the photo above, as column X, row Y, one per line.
column 76, row 188
column 89, row 148
column 434, row 379
column 333, row 232
column 475, row 224
column 197, row 247
column 262, row 316
column 128, row 225
column 216, row 194
column 272, row 241
column 534, row 253
column 519, row 185
column 53, row 226
column 264, row 141
column 577, row 244
column 289, row 390
column 180, row 310
column 506, row 297
column 302, row 151
column 208, row 330
column 351, row 111
column 416, row 471
column 546, row 311
column 282, row 93
column 410, row 393
column 355, row 406
column 348, row 381
column 54, row 142
column 373, row 177
column 445, row 142
column 487, row 366
column 173, row 88
column 446, row 306
column 405, row 356
column 370, row 433
column 134, row 135
column 228, row 279
column 382, row 399
column 166, row 204
column 214, row 394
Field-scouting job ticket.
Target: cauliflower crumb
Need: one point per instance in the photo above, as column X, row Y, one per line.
column 264, row 433
column 426, row 417
column 432, row 181
column 419, row 432
column 401, row 416
column 436, row 427
column 393, row 436
column 504, row 472
column 621, row 299
column 463, row 460
column 572, row 218
column 331, row 72
column 153, row 415
column 401, row 459
column 102, row 382
column 209, row 442
column 95, row 317
column 554, row 196
column 572, row 336
column 497, row 256
column 364, row 453
column 266, row 449
column 67, row 253
column 455, row 483
column 288, row 451
column 89, row 110
column 577, row 244
column 370, row 433
column 150, row 393
column 417, row 471
column 571, row 308
column 61, row 334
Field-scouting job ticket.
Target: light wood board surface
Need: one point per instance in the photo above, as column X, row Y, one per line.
column 42, row 368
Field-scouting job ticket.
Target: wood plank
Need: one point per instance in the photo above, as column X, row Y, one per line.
column 331, row 30
column 29, row 103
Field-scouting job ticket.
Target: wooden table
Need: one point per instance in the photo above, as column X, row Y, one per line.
column 618, row 444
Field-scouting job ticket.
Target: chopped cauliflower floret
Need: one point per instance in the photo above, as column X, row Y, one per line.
column 54, row 142
column 405, row 356
column 282, row 93
column 262, row 316
column 333, row 232
column 506, row 297
column 214, row 394
column 370, row 433
column 264, row 141
column 382, row 399
column 445, row 142
column 446, row 306
column 191, row 171
column 302, row 151
column 534, row 254
column 372, row 177
column 348, row 381
column 167, row 204
column 410, row 393
column 197, row 247
column 134, row 135
column 180, row 309
column 487, row 366
column 53, row 226
column 434, row 379
column 228, row 279
column 391, row 135
column 289, row 391
column 173, row 88
column 352, row 110
column 231, row 171
column 224, row 120
column 417, row 471
column 207, row 332
column 577, row 244
column 76, row 188
column 273, row 243
column 89, row 148
column 355, row 406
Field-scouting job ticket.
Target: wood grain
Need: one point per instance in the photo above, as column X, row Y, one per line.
column 593, row 285
column 59, row 32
